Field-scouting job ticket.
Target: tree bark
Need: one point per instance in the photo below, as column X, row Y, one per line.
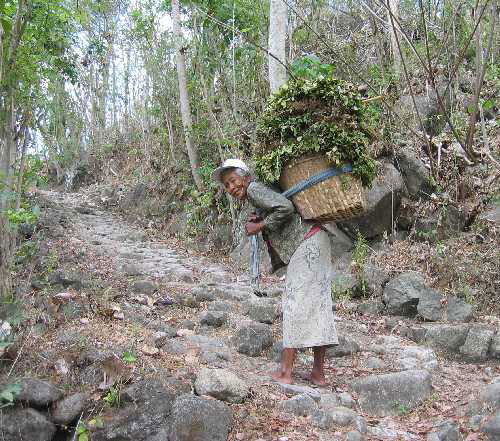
column 278, row 20
column 21, row 168
column 393, row 7
column 184, row 98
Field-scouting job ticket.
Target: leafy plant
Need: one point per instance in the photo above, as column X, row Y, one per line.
column 112, row 398
column 8, row 393
column 82, row 432
column 314, row 114
column 24, row 215
column 129, row 357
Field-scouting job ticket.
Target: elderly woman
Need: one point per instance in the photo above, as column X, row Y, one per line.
column 307, row 304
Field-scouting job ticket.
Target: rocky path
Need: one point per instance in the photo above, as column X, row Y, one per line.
column 144, row 341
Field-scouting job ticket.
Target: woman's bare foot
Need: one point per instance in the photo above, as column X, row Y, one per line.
column 318, row 378
column 281, row 377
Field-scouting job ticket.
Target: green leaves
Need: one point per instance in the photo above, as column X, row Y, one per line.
column 312, row 114
column 129, row 357
column 8, row 393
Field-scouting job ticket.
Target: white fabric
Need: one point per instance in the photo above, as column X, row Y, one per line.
column 307, row 303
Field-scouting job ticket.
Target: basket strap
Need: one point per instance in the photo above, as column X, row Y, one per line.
column 316, row 179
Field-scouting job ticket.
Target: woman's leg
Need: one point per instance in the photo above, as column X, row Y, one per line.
column 318, row 371
column 284, row 375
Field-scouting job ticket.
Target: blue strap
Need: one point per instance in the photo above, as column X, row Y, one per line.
column 315, row 179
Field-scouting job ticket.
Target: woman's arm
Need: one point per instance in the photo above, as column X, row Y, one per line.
column 278, row 207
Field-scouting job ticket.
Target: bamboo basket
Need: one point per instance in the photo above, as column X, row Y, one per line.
column 334, row 199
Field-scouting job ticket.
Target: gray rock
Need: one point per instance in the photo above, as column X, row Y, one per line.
column 329, row 402
column 440, row 224
column 300, row 405
column 429, row 305
column 458, row 311
column 477, row 343
column 446, row 337
column 342, row 416
column 252, row 338
column 371, row 307
column 187, row 324
column 383, row 200
column 375, row 279
column 26, row 425
column 189, row 301
column 491, row 427
column 69, row 408
column 322, row 419
column 475, row 422
column 199, row 419
column 401, row 294
column 213, row 318
column 354, row 435
column 174, row 346
column 374, row 363
column 448, row 430
column 428, row 108
column 144, row 287
column 66, row 279
column 416, row 176
column 203, row 294
column 262, row 312
column 360, row 425
column 491, row 213
column 221, row 384
column 389, row 394
column 495, row 346
column 489, row 398
column 346, row 347
column 129, row 269
column 37, row 392
column 346, row 399
column 147, row 407
column 295, row 389
column 220, row 306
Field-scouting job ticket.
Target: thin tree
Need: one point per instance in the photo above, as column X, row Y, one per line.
column 184, row 98
column 278, row 21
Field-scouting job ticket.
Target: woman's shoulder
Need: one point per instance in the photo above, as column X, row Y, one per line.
column 256, row 187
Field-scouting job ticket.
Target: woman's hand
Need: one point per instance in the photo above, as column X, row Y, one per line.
column 252, row 228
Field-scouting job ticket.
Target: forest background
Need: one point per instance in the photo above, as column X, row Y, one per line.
column 93, row 92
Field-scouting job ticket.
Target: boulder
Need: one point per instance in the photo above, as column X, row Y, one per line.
column 342, row 416
column 252, row 338
column 382, row 203
column 144, row 287
column 429, row 305
column 492, row 427
column 370, row 307
column 346, row 347
column 37, row 392
column 25, row 424
column 70, row 408
column 200, row 419
column 354, row 435
column 221, row 384
column 401, row 294
column 147, row 407
column 300, row 405
column 329, row 402
column 374, row 279
column 390, row 394
column 415, row 174
column 489, row 398
column 439, row 224
column 66, row 279
column 428, row 108
column 213, row 318
column 203, row 294
column 477, row 343
column 295, row 389
column 457, row 310
column 448, row 430
column 446, row 337
column 262, row 312
column 495, row 346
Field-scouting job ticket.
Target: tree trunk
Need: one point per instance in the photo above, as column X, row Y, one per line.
column 393, row 7
column 278, row 20
column 21, row 168
column 184, row 99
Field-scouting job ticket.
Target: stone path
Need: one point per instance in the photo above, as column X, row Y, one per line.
column 194, row 319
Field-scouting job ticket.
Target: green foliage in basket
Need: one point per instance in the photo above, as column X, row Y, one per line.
column 314, row 115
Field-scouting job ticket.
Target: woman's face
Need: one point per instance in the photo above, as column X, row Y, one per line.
column 235, row 185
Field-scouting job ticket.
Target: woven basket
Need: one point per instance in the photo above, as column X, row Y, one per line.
column 334, row 199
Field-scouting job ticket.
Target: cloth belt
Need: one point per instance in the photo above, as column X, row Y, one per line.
column 301, row 186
